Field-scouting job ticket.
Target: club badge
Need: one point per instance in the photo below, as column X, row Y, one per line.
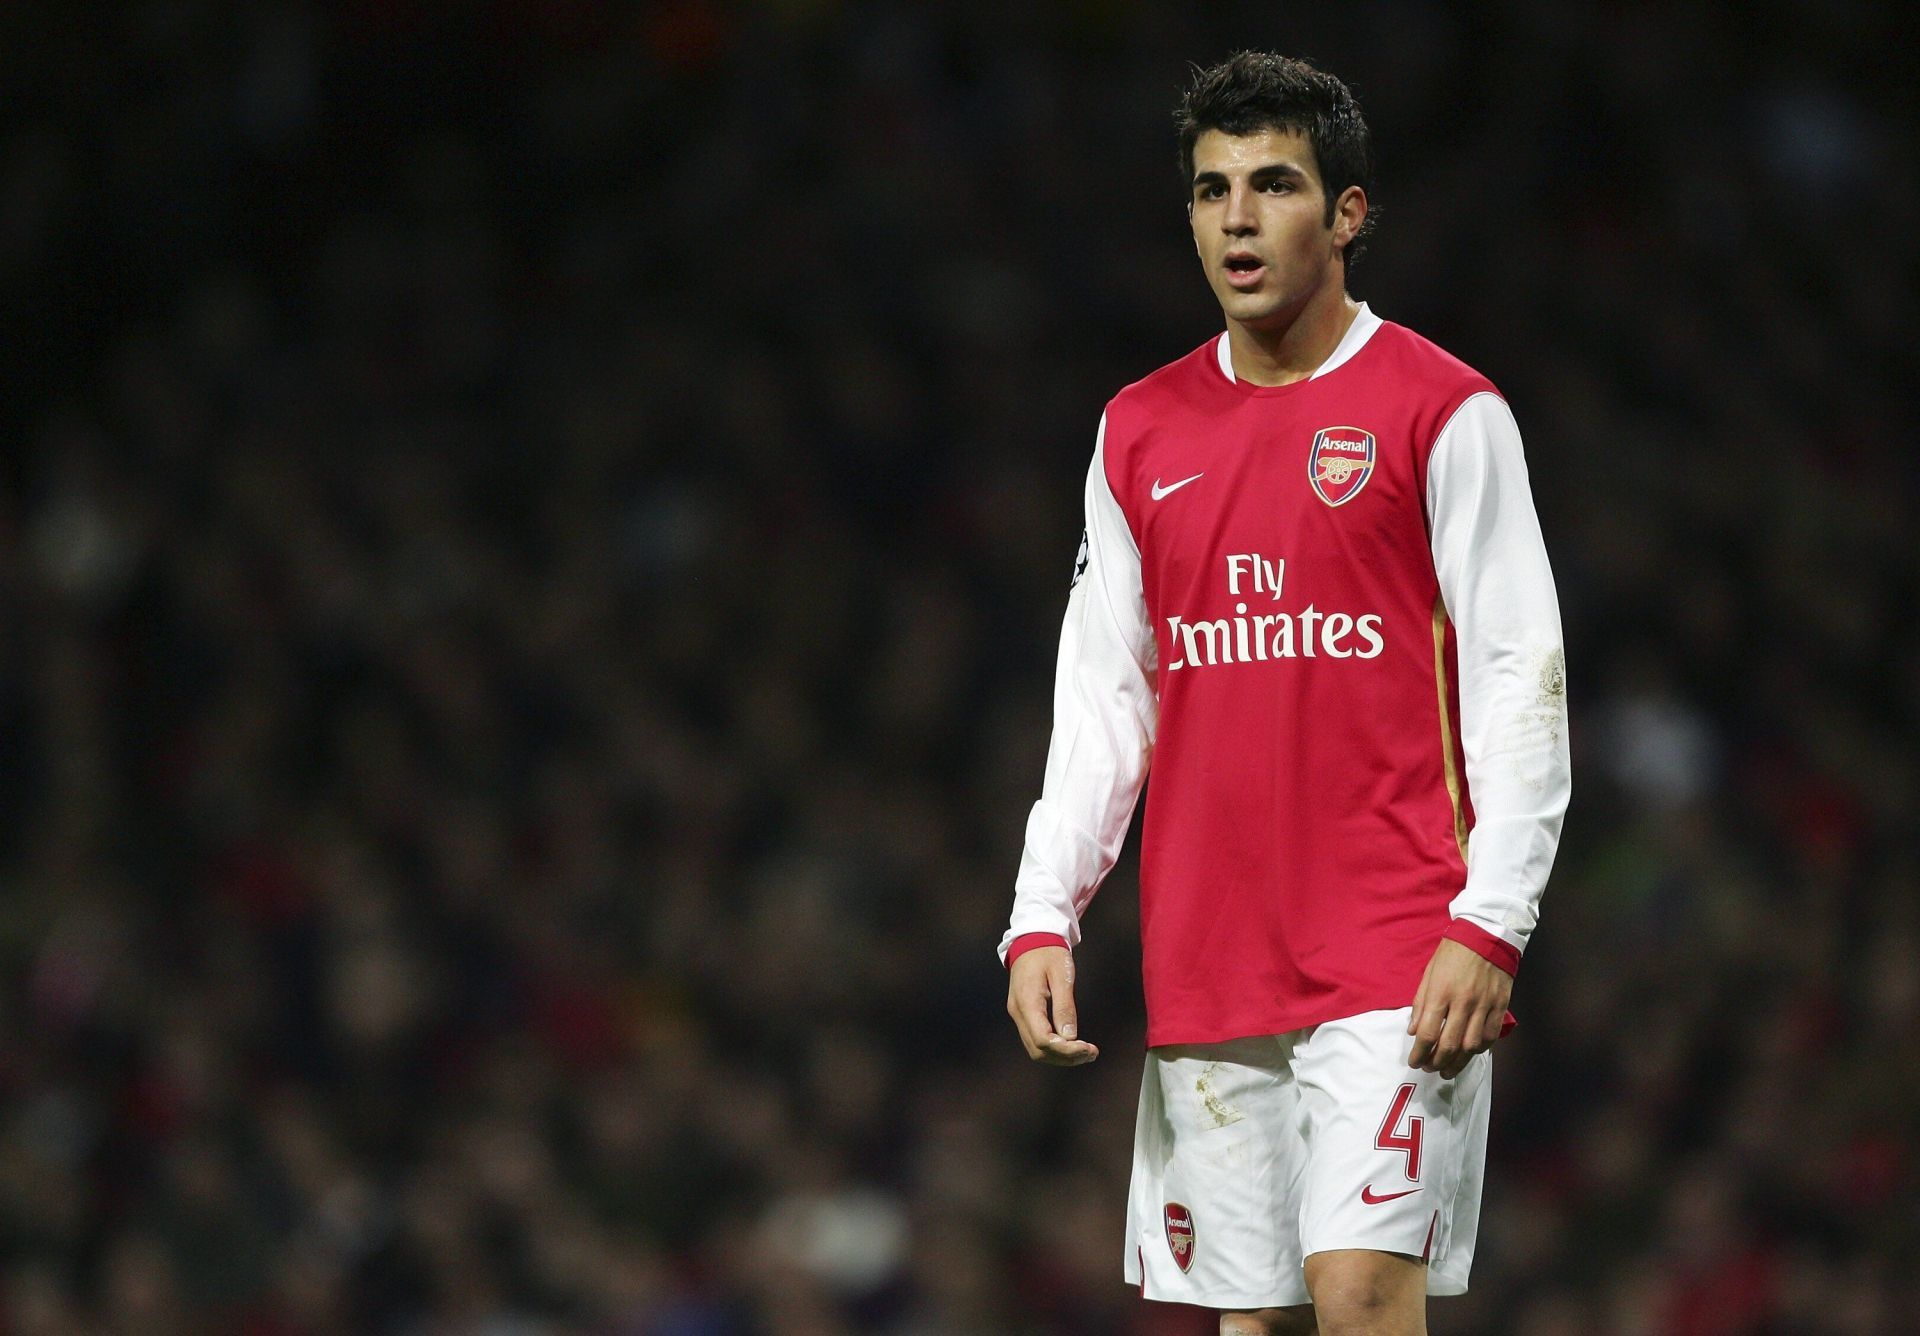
column 1340, row 463
column 1180, row 1234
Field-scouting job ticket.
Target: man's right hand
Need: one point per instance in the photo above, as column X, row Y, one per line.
column 1040, row 1000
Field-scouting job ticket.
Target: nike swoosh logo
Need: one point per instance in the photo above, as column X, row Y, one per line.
column 1159, row 491
column 1367, row 1195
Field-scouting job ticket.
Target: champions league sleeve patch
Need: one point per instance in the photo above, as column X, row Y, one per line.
column 1079, row 561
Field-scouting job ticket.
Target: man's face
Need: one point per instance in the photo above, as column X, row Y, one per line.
column 1258, row 210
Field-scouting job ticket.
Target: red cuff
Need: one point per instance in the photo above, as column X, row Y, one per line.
column 1026, row 941
column 1476, row 938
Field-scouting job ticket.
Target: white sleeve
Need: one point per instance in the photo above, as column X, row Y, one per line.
column 1498, row 589
column 1104, row 713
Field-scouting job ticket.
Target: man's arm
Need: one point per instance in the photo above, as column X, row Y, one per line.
column 1498, row 590
column 1104, row 714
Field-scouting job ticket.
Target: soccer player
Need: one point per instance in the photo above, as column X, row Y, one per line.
column 1313, row 593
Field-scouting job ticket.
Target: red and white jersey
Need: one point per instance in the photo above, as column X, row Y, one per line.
column 1323, row 613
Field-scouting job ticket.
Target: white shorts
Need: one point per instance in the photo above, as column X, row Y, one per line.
column 1253, row 1154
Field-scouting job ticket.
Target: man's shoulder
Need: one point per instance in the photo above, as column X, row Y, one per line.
column 1181, row 385
column 1418, row 362
column 1177, row 379
column 1414, row 387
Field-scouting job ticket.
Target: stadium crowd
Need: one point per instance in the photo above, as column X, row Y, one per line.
column 532, row 538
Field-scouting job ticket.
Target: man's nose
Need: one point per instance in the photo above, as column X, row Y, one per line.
column 1240, row 218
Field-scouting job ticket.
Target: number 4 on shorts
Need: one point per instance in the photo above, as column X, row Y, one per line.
column 1407, row 1142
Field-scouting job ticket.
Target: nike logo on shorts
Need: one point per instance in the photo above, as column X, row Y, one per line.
column 1159, row 491
column 1367, row 1195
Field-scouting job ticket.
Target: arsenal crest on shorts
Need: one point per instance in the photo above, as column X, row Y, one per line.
column 1180, row 1234
column 1340, row 463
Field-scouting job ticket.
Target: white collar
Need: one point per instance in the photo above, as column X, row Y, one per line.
column 1362, row 328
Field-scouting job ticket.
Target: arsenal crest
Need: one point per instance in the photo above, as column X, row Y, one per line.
column 1180, row 1234
column 1340, row 463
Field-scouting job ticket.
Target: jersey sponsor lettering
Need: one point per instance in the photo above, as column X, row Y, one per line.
column 1261, row 637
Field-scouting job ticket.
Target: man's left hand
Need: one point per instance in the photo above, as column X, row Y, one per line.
column 1458, row 1010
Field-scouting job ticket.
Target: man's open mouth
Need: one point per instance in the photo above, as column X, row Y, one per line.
column 1245, row 271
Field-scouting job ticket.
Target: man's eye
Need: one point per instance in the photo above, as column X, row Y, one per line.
column 1280, row 185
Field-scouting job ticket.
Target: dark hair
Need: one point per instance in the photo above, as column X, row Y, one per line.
column 1252, row 91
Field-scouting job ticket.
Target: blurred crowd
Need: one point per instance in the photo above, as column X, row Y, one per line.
column 532, row 540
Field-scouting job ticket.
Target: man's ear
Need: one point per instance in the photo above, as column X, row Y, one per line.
column 1349, row 214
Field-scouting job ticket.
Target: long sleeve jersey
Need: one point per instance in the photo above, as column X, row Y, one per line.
column 1323, row 614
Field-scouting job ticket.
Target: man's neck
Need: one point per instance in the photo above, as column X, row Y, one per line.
column 1281, row 355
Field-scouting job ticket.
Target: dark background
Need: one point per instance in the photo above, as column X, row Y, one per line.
column 532, row 537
